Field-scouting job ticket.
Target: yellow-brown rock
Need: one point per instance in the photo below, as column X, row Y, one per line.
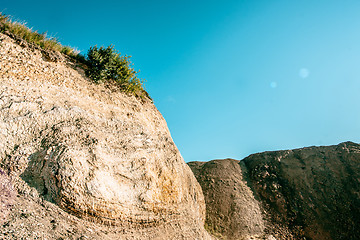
column 76, row 150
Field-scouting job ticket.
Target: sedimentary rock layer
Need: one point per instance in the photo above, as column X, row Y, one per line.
column 99, row 155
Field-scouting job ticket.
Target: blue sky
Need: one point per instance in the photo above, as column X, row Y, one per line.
column 231, row 78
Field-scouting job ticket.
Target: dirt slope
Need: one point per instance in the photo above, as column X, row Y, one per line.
column 308, row 193
column 232, row 212
column 312, row 191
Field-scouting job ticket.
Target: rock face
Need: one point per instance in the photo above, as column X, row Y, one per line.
column 78, row 151
column 308, row 193
column 7, row 194
column 232, row 212
column 314, row 192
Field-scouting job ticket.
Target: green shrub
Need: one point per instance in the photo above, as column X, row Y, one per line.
column 107, row 65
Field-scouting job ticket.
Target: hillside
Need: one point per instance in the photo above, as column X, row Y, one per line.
column 79, row 161
column 232, row 212
column 307, row 193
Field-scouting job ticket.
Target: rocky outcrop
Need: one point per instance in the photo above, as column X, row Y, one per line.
column 308, row 193
column 313, row 191
column 86, row 161
column 232, row 212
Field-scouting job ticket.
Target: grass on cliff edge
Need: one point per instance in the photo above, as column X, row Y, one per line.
column 100, row 64
column 40, row 39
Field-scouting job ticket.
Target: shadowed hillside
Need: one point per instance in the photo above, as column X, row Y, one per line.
column 311, row 193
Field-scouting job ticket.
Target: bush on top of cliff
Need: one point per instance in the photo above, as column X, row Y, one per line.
column 108, row 66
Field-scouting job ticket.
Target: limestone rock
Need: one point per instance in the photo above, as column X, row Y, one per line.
column 89, row 154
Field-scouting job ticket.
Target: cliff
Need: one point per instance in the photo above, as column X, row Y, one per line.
column 307, row 193
column 81, row 161
column 232, row 212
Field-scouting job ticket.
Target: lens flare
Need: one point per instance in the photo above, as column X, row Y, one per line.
column 304, row 72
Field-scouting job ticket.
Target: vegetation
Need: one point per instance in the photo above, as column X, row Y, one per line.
column 102, row 64
column 107, row 65
column 20, row 30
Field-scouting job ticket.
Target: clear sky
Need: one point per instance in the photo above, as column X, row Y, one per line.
column 230, row 77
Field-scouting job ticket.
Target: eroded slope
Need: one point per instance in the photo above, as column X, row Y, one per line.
column 90, row 154
column 307, row 193
column 312, row 191
column 232, row 212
